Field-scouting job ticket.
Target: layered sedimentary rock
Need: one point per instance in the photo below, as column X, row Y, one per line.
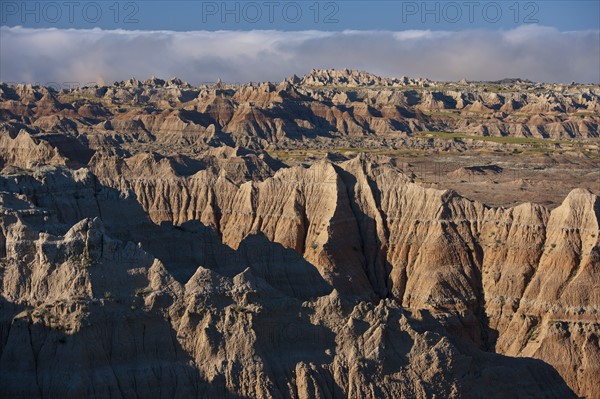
column 325, row 104
column 355, row 253
column 151, row 247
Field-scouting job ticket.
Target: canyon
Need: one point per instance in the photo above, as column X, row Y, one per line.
column 335, row 235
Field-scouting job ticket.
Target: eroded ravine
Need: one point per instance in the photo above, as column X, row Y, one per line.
column 496, row 274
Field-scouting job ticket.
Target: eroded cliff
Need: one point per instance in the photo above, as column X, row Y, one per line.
column 150, row 247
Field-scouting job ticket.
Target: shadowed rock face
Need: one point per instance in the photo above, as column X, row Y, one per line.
column 315, row 282
column 141, row 257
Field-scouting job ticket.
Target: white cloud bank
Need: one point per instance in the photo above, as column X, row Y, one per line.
column 62, row 55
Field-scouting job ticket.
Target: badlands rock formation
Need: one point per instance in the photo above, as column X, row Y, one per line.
column 141, row 256
column 323, row 104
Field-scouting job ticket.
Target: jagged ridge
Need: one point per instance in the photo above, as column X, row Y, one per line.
column 521, row 280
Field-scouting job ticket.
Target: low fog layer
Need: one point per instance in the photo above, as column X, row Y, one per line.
column 532, row 52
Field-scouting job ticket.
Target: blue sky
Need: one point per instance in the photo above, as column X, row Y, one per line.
column 201, row 41
column 301, row 15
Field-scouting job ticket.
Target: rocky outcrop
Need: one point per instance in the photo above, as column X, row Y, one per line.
column 325, row 104
column 517, row 281
column 150, row 246
column 353, row 78
column 23, row 151
column 112, row 321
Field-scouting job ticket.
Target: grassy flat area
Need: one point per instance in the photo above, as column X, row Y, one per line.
column 494, row 139
column 523, row 146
